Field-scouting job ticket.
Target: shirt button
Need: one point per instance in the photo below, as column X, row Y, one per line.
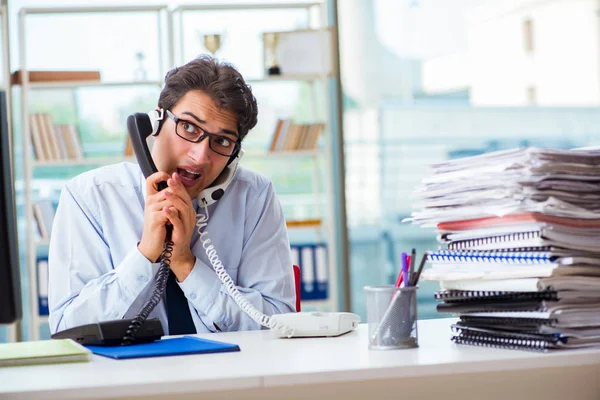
column 143, row 278
column 193, row 296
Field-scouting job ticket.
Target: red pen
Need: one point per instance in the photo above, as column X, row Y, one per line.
column 399, row 279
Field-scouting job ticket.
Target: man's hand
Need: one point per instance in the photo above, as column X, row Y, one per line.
column 174, row 206
column 182, row 216
column 154, row 233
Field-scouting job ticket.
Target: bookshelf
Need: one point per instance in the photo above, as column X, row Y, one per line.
column 13, row 330
column 35, row 247
column 320, row 105
column 80, row 84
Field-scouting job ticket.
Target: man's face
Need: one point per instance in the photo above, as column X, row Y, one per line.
column 197, row 165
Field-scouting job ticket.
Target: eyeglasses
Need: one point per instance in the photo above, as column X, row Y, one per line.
column 218, row 143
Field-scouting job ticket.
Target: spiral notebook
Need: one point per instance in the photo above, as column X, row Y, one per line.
column 521, row 341
column 508, row 256
column 528, row 325
column 464, row 272
column 558, row 283
column 539, row 238
column 529, row 305
column 476, row 296
column 472, row 296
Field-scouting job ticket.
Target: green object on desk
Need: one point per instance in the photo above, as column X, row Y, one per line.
column 42, row 352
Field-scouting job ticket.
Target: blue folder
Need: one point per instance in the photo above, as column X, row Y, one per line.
column 165, row 347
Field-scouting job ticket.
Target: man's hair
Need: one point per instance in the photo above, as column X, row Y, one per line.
column 221, row 81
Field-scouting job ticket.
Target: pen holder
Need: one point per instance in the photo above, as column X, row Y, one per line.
column 392, row 317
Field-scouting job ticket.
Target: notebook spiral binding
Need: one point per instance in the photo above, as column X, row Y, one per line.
column 495, row 240
column 472, row 320
column 504, row 257
column 481, row 337
column 474, row 295
column 511, row 344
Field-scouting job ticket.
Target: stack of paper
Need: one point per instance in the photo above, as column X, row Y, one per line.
column 561, row 183
column 520, row 246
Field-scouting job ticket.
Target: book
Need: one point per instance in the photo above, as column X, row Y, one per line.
column 42, row 352
column 558, row 283
column 527, row 325
column 128, row 147
column 276, row 133
column 471, row 296
column 558, row 257
column 165, row 347
column 55, row 76
column 562, row 307
column 44, row 212
column 462, row 272
column 514, row 219
column 525, row 321
column 492, row 256
column 42, row 285
column 538, row 237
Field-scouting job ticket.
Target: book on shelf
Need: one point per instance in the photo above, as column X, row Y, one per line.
column 303, row 223
column 55, row 76
column 42, row 285
column 128, row 147
column 312, row 260
column 42, row 352
column 54, row 142
column 43, row 212
column 290, row 136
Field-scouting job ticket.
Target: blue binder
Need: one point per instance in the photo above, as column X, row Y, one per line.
column 165, row 347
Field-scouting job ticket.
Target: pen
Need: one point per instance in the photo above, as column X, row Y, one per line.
column 415, row 278
column 411, row 265
column 408, row 274
column 405, row 268
column 399, row 279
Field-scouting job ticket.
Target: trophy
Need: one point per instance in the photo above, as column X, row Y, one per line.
column 271, row 43
column 212, row 42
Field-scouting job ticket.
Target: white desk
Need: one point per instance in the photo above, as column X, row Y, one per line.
column 308, row 369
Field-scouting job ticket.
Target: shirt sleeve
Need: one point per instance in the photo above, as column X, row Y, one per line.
column 265, row 275
column 84, row 286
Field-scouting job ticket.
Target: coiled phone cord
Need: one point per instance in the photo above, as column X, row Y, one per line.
column 163, row 274
column 242, row 302
column 160, row 283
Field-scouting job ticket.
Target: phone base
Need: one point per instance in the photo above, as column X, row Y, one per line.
column 110, row 333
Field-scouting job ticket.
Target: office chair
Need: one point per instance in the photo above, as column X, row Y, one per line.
column 297, row 283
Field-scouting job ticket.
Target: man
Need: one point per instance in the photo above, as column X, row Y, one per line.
column 110, row 225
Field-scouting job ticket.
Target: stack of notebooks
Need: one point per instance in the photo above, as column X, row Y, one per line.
column 519, row 261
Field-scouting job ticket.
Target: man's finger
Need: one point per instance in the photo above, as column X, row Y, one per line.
column 173, row 216
column 178, row 189
column 153, row 180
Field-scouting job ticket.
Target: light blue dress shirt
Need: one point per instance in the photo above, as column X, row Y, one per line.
column 97, row 273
